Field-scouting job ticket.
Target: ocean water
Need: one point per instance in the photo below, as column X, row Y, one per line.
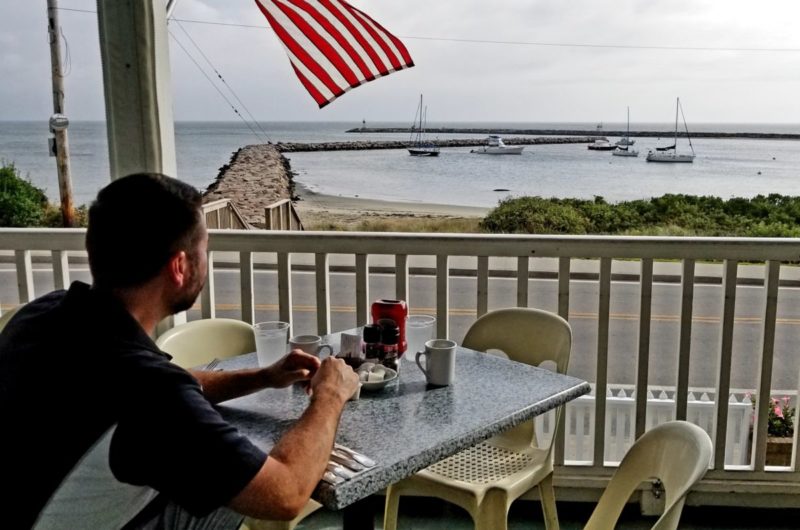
column 723, row 167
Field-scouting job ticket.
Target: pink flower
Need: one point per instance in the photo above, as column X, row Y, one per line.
column 778, row 411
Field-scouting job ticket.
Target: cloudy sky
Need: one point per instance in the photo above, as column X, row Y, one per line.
column 475, row 62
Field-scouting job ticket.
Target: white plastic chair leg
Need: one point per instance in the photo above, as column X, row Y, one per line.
column 492, row 514
column 548, row 498
column 391, row 509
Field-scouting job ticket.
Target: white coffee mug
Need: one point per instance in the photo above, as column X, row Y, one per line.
column 311, row 344
column 440, row 361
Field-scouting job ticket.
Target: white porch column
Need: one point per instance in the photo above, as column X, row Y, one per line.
column 134, row 49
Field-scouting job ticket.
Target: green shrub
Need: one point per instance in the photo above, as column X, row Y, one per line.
column 21, row 203
column 672, row 214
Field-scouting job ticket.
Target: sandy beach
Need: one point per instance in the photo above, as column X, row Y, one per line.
column 318, row 210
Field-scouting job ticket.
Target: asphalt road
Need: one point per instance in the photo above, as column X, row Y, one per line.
column 623, row 336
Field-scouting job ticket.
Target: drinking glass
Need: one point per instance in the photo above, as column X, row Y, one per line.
column 419, row 330
column 270, row 341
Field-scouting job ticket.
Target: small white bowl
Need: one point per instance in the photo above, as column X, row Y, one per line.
column 391, row 375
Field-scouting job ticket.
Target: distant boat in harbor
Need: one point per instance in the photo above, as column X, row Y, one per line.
column 626, row 141
column 625, row 145
column 669, row 154
column 495, row 146
column 418, row 146
column 601, row 145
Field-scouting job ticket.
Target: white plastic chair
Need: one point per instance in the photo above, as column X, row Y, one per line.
column 5, row 317
column 677, row 453
column 197, row 343
column 487, row 478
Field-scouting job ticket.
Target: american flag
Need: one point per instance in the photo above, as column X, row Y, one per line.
column 333, row 46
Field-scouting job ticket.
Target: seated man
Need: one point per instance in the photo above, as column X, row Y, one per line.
column 101, row 430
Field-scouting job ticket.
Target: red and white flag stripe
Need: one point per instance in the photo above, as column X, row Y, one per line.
column 333, row 46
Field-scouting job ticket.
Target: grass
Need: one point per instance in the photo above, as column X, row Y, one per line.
column 463, row 225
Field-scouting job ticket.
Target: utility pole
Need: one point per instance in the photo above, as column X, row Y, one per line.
column 58, row 121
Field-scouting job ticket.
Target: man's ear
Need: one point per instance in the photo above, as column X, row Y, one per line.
column 178, row 268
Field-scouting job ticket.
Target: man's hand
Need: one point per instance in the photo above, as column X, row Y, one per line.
column 334, row 379
column 296, row 366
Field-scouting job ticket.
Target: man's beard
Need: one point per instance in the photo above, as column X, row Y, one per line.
column 186, row 299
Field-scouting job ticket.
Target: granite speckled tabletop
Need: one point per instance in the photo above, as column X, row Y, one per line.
column 408, row 425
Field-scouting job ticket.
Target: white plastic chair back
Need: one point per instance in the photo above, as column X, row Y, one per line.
column 5, row 317
column 677, row 453
column 199, row 342
column 526, row 335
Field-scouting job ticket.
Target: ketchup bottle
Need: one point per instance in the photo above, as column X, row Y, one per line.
column 395, row 310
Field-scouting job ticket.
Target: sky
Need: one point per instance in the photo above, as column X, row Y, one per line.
column 499, row 79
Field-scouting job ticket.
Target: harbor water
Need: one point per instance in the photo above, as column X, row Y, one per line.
column 723, row 167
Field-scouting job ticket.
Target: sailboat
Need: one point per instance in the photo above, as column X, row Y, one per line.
column 669, row 153
column 417, row 145
column 625, row 145
column 627, row 140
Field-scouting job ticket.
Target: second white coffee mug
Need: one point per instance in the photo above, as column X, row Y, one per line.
column 440, row 361
column 311, row 344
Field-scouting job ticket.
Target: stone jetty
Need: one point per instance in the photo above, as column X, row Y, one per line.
column 256, row 176
column 573, row 132
column 470, row 142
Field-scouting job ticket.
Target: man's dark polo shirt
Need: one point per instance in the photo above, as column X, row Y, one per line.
column 74, row 363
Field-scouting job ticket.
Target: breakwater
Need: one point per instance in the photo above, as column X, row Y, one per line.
column 294, row 147
column 571, row 132
column 256, row 177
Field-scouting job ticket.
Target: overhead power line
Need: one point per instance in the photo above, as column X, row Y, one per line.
column 520, row 43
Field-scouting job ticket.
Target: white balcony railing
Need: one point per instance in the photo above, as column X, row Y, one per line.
column 433, row 263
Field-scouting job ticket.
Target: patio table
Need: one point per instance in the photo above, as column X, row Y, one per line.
column 408, row 425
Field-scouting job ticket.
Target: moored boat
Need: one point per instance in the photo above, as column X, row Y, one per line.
column 669, row 154
column 601, row 145
column 495, row 146
column 418, row 146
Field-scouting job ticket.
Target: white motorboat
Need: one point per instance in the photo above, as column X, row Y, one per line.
column 669, row 154
column 601, row 145
column 495, row 146
column 418, row 146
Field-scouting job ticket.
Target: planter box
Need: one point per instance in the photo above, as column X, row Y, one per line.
column 779, row 451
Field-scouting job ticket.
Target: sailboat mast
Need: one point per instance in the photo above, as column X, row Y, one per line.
column 628, row 133
column 677, row 106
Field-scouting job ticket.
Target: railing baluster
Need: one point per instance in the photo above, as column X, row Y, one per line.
column 442, row 296
column 362, row 289
column 602, row 360
column 246, row 283
column 772, row 275
column 25, row 276
column 685, row 339
column 60, row 269
column 729, row 273
column 522, row 281
column 323, row 294
column 285, row 288
column 401, row 277
column 564, row 265
column 208, row 299
column 483, row 286
column 643, row 365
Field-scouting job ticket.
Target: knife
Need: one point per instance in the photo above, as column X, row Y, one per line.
column 358, row 457
column 343, row 458
column 340, row 471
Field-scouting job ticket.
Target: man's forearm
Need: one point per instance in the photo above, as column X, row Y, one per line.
column 222, row 386
column 306, row 447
